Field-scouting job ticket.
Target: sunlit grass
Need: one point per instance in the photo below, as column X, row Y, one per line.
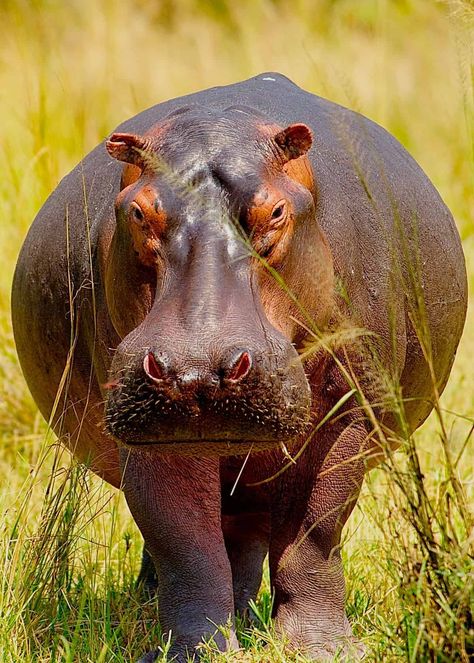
column 69, row 73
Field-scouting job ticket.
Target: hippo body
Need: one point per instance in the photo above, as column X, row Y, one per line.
column 251, row 221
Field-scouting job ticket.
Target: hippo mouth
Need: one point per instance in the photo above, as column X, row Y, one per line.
column 263, row 414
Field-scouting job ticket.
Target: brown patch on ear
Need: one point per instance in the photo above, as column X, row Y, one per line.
column 295, row 140
column 127, row 147
column 130, row 148
column 130, row 175
column 300, row 170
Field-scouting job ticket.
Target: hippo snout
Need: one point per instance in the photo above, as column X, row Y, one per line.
column 234, row 367
column 236, row 397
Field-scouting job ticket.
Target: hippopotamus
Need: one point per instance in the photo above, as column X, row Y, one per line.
column 210, row 310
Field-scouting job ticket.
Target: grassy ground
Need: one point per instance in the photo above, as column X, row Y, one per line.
column 69, row 72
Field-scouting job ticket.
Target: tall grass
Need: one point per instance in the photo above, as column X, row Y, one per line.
column 69, row 73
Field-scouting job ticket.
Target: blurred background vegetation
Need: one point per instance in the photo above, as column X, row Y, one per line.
column 69, row 73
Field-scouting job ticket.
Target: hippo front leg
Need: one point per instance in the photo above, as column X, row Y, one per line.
column 175, row 502
column 305, row 562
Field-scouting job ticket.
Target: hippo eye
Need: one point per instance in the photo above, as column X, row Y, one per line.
column 137, row 212
column 279, row 212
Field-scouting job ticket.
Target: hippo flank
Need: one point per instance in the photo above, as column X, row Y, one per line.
column 199, row 273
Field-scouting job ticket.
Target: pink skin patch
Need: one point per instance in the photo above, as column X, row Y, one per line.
column 241, row 367
column 110, row 385
column 152, row 368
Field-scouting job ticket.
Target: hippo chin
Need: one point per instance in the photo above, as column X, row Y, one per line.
column 187, row 273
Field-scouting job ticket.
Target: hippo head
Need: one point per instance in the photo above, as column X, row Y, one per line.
column 215, row 262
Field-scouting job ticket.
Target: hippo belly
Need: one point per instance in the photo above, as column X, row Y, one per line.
column 171, row 297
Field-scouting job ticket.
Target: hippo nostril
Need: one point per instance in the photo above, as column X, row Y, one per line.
column 239, row 367
column 154, row 368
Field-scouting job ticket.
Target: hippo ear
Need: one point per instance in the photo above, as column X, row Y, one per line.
column 128, row 147
column 294, row 141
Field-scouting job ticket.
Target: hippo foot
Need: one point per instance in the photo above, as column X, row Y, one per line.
column 184, row 653
column 322, row 642
column 347, row 651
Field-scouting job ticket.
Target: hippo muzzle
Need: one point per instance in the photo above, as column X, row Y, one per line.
column 229, row 398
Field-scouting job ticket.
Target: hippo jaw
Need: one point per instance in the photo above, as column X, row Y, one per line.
column 225, row 416
column 207, row 363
